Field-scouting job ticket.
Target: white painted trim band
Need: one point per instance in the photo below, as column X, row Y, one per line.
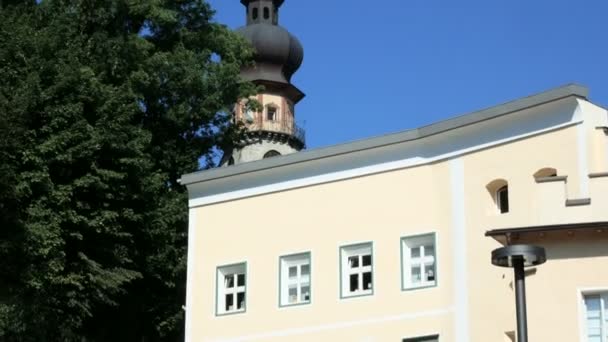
column 335, row 326
column 459, row 238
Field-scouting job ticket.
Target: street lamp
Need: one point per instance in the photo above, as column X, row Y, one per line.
column 518, row 257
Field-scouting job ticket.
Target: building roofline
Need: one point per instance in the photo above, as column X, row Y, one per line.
column 390, row 139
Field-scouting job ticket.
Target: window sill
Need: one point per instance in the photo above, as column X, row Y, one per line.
column 287, row 306
column 231, row 313
column 578, row 202
column 421, row 287
column 357, row 295
column 598, row 175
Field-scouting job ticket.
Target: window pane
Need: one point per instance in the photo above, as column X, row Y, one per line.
column 429, row 250
column 305, row 270
column 305, row 293
column 229, row 302
column 241, row 280
column 353, row 261
column 367, row 280
column 429, row 274
column 240, row 299
column 293, row 271
column 416, row 275
column 293, row 295
column 229, row 281
column 415, row 252
column 594, row 324
column 367, row 260
column 503, row 196
column 354, row 282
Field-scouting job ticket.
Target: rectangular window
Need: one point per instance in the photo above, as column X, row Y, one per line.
column 596, row 317
column 434, row 338
column 295, row 279
column 418, row 260
column 271, row 113
column 356, row 267
column 231, row 289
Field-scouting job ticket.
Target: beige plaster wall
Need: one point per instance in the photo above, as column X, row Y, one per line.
column 320, row 220
column 575, row 263
column 382, row 208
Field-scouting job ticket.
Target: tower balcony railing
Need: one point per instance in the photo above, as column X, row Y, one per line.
column 288, row 127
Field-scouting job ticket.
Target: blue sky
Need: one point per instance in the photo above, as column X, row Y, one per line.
column 377, row 67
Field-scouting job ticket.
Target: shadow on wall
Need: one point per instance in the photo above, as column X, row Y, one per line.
column 592, row 246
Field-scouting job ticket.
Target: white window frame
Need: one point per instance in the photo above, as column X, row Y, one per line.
column 603, row 294
column 222, row 290
column 297, row 261
column 423, row 261
column 356, row 250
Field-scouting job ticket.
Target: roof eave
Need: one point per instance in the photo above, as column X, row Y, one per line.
column 571, row 90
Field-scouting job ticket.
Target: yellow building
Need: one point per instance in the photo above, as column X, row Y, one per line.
column 389, row 238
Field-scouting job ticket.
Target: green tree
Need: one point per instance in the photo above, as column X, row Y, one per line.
column 103, row 105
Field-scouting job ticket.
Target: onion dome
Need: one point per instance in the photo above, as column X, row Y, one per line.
column 279, row 54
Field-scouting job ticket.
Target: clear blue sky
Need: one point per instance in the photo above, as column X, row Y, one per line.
column 382, row 66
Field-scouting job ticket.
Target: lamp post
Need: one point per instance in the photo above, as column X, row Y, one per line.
column 518, row 257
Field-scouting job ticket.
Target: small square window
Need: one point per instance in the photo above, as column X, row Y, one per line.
column 294, row 275
column 418, row 261
column 356, row 270
column 231, row 289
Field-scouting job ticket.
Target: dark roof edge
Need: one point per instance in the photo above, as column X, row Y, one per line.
column 547, row 228
column 393, row 138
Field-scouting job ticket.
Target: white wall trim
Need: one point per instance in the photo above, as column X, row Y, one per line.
column 583, row 159
column 336, row 326
column 358, row 172
column 192, row 215
column 459, row 238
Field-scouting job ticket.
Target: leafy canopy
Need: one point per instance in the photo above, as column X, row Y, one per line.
column 103, row 105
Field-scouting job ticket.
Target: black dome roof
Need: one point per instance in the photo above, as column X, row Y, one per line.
column 275, row 45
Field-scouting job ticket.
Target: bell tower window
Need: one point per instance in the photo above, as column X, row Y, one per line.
column 271, row 153
column 266, row 13
column 271, row 114
column 255, row 13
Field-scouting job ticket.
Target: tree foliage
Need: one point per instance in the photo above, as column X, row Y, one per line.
column 103, row 105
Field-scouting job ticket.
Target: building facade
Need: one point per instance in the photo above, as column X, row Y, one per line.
column 389, row 238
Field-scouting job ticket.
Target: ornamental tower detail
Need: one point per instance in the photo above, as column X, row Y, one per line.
column 278, row 55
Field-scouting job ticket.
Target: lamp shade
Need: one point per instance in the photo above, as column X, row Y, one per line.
column 531, row 255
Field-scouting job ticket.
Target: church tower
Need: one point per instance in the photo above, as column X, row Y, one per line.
column 278, row 55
